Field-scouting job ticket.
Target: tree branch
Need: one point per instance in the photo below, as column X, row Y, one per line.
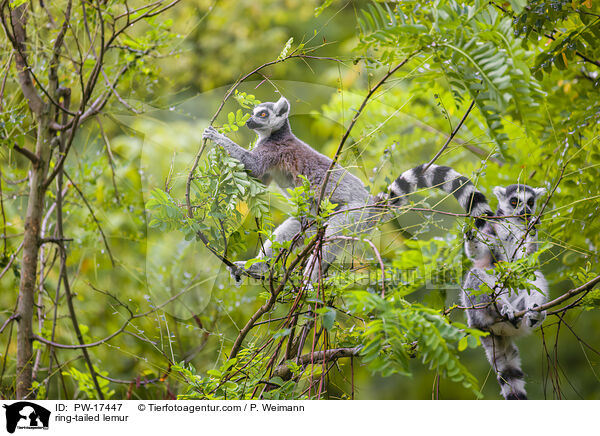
column 451, row 137
column 27, row 153
column 271, row 301
column 18, row 19
column 585, row 287
column 10, row 319
column 89, row 207
column 355, row 118
column 285, row 372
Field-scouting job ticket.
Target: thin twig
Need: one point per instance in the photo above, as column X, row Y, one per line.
column 375, row 251
column 89, row 207
column 11, row 260
column 10, row 319
column 271, row 301
column 355, row 118
column 451, row 137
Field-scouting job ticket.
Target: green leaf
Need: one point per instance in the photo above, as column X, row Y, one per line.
column 328, row 317
column 215, row 373
column 286, row 49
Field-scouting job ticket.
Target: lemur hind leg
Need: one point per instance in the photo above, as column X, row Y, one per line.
column 503, row 355
column 284, row 232
column 349, row 222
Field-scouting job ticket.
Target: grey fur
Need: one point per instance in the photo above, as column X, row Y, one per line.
column 497, row 237
column 281, row 157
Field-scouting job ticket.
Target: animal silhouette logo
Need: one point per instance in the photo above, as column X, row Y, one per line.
column 24, row 414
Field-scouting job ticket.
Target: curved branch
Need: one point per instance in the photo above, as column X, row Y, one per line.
column 120, row 330
column 81, row 346
column 237, row 83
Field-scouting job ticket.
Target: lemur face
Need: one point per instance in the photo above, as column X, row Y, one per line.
column 518, row 200
column 269, row 117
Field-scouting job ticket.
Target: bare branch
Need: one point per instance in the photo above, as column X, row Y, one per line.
column 89, row 207
column 93, row 110
column 471, row 147
column 58, row 44
column 135, row 382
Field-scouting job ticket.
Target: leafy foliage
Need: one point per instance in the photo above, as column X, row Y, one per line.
column 401, row 330
column 472, row 46
column 219, row 186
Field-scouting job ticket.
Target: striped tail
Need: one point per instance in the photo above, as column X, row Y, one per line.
column 504, row 358
column 446, row 179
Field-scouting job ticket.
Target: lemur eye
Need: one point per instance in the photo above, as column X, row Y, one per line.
column 530, row 202
column 513, row 202
column 263, row 114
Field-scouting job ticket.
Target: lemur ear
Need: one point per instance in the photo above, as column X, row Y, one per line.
column 500, row 192
column 282, row 107
column 539, row 191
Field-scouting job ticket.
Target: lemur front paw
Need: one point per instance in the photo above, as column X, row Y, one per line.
column 382, row 198
column 212, row 134
column 534, row 318
column 508, row 311
column 237, row 272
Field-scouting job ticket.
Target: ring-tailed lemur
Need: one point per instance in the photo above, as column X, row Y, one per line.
column 280, row 156
column 497, row 237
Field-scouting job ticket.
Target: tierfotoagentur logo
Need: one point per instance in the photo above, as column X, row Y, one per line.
column 26, row 415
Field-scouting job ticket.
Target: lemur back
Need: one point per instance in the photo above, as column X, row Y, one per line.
column 503, row 236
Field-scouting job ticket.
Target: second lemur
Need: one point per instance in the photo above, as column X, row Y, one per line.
column 498, row 237
column 281, row 157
